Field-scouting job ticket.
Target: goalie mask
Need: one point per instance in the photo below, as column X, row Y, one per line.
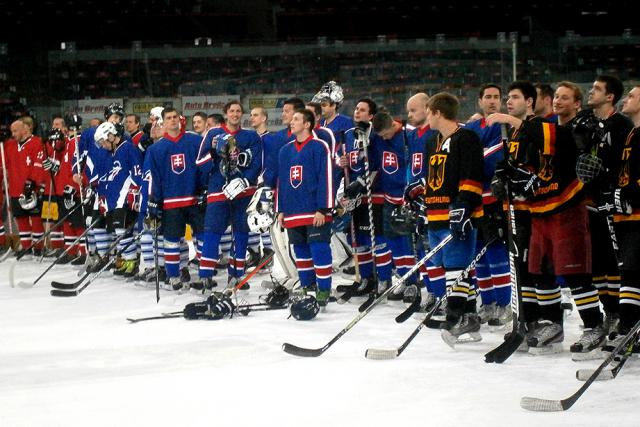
column 331, row 92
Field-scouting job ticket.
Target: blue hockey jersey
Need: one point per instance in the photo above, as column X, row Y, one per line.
column 339, row 125
column 490, row 137
column 393, row 166
column 126, row 172
column 305, row 181
column 96, row 160
column 210, row 161
column 171, row 171
column 417, row 140
column 271, row 147
column 355, row 157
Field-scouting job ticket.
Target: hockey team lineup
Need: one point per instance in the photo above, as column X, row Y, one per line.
column 505, row 222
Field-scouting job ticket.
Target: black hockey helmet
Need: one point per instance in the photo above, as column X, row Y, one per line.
column 278, row 297
column 305, row 308
column 73, row 121
column 114, row 108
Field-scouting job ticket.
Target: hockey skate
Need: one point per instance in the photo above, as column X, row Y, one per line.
column 412, row 295
column 611, row 322
column 588, row 346
column 128, row 269
column 356, row 289
column 530, row 328
column 204, row 284
column 546, row 339
column 322, row 296
column 178, row 285
column 80, row 261
column 398, row 293
column 464, row 330
column 65, row 259
column 486, row 312
column 502, row 317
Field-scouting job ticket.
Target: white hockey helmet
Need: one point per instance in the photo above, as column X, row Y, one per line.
column 156, row 113
column 105, row 129
column 259, row 222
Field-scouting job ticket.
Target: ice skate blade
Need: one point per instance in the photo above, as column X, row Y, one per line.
column 594, row 354
column 554, row 348
column 468, row 337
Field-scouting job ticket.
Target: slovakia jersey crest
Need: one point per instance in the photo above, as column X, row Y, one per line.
column 354, row 156
column 295, row 176
column 389, row 162
column 178, row 163
column 416, row 163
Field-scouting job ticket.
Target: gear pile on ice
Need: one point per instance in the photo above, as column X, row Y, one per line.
column 215, row 307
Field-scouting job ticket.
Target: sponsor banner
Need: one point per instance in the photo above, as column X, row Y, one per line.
column 271, row 103
column 206, row 104
column 142, row 106
column 89, row 108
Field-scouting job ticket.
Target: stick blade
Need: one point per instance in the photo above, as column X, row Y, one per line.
column 541, row 405
column 61, row 293
column 380, row 354
column 408, row 312
column 26, row 285
column 300, row 351
column 66, row 286
column 370, row 299
column 505, row 350
column 585, row 375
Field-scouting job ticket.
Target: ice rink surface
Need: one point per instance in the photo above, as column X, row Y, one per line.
column 78, row 362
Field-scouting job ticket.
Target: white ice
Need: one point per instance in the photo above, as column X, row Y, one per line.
column 78, row 362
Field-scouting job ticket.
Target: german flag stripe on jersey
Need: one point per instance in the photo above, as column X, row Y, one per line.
column 635, row 216
column 438, row 215
column 549, row 135
column 470, row 185
column 548, row 205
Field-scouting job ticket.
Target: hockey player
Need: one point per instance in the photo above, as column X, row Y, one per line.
column 544, row 103
column 492, row 271
column 121, row 201
column 232, row 159
column 24, row 155
column 355, row 200
column 606, row 134
column 560, row 243
column 305, row 200
column 174, row 184
column 624, row 203
column 453, row 198
column 137, row 136
column 416, row 171
column 199, row 123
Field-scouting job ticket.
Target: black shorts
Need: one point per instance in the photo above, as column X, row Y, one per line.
column 18, row 212
column 628, row 234
column 174, row 221
column 120, row 218
column 309, row 234
column 360, row 217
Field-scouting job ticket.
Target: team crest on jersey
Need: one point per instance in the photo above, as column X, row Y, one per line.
column 178, row 163
column 514, row 146
column 624, row 176
column 436, row 171
column 389, row 162
column 546, row 168
column 416, row 163
column 354, row 156
column 295, row 176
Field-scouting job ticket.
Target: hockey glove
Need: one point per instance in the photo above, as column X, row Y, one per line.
column 235, row 187
column 51, row 164
column 614, row 202
column 415, row 191
column 493, row 224
column 522, row 182
column 201, row 200
column 134, row 198
column 69, row 196
column 498, row 189
column 27, row 190
column 460, row 220
column 355, row 189
column 89, row 196
column 244, row 159
column 28, row 200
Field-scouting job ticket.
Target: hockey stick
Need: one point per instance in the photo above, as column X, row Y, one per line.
column 156, row 262
column 250, row 274
column 75, row 292
column 354, row 245
column 608, row 374
column 101, row 260
column 545, row 405
column 163, row 316
column 511, row 344
column 383, row 354
column 55, row 261
column 7, row 200
column 308, row 352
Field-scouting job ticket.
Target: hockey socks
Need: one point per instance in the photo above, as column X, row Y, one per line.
column 313, row 262
column 238, row 256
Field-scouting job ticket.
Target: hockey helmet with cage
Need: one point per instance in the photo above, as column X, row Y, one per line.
column 278, row 297
column 259, row 221
column 57, row 139
column 305, row 308
column 114, row 108
column 330, row 91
